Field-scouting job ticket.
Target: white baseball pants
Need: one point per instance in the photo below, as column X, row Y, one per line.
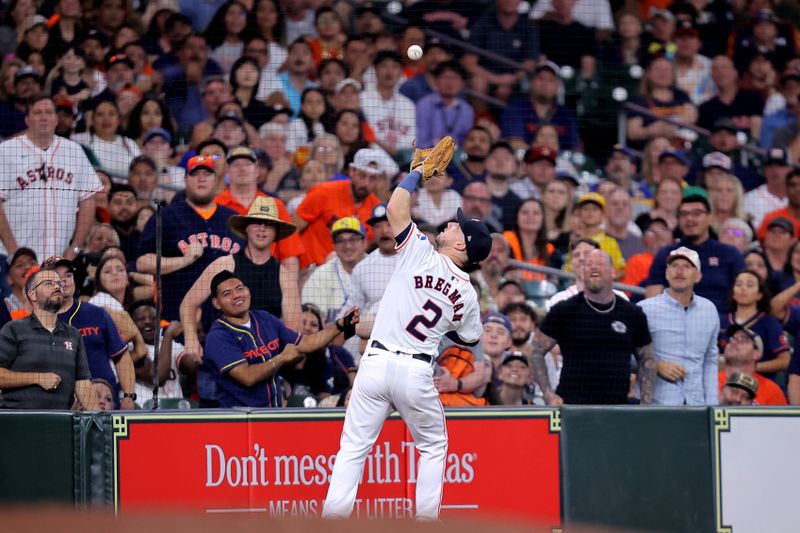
column 387, row 381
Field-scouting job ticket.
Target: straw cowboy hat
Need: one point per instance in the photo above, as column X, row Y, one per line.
column 264, row 210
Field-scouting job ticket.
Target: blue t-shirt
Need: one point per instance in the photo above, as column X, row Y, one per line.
column 181, row 226
column 765, row 326
column 520, row 121
column 519, row 43
column 104, row 346
column 229, row 345
column 719, row 265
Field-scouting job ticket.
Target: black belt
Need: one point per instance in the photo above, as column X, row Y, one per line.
column 418, row 356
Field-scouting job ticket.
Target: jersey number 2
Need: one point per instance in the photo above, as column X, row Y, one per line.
column 425, row 321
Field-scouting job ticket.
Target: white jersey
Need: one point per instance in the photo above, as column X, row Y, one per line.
column 427, row 297
column 394, row 120
column 41, row 190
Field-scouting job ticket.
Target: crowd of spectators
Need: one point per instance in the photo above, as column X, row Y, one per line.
column 269, row 135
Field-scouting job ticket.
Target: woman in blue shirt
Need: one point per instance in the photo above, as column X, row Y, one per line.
column 750, row 299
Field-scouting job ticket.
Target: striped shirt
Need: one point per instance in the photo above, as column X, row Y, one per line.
column 27, row 346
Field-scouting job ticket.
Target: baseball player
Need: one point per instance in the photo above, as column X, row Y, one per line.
column 44, row 181
column 429, row 296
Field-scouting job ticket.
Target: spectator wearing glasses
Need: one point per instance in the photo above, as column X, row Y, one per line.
column 719, row 262
column 743, row 351
column 43, row 361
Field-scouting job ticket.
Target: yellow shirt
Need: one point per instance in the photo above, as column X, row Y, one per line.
column 609, row 245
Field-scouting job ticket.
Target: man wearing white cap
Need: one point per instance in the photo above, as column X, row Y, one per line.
column 328, row 202
column 684, row 328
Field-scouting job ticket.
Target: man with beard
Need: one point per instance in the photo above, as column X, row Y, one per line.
column 523, row 323
column 523, row 115
column 476, row 147
column 119, row 75
column 501, row 166
column 621, row 170
column 493, row 270
column 372, row 274
column 330, row 201
column 720, row 262
column 170, row 353
column 43, row 361
column 299, row 67
column 101, row 338
column 597, row 333
column 27, row 83
column 274, row 287
column 477, row 203
column 246, row 348
column 684, row 328
column 194, row 234
column 183, row 81
column 123, row 210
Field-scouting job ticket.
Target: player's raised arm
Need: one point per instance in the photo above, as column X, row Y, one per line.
column 425, row 165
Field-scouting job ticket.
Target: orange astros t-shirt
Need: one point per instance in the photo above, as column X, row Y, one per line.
column 291, row 246
column 323, row 205
column 768, row 391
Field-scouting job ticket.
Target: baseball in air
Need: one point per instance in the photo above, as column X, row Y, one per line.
column 414, row 52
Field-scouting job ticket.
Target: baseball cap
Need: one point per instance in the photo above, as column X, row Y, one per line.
column 547, row 65
column 783, row 223
column 53, row 262
column 622, row 149
column 112, row 59
column 685, row 28
column 724, row 123
column 230, row 116
column 35, row 20
column 369, row 160
column 368, row 7
column 677, row 154
column 757, row 341
column 378, row 214
column 349, row 224
column 661, row 13
column 348, row 82
column 26, row 72
column 685, row 253
column 592, row 198
column 777, row 156
column 64, row 104
column 744, row 381
column 540, row 152
column 22, row 252
column 514, row 355
column 765, row 15
column 200, row 161
column 479, row 240
column 717, row 160
column 496, row 317
column 157, row 132
column 242, row 152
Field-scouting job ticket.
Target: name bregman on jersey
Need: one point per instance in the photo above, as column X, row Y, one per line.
column 426, row 282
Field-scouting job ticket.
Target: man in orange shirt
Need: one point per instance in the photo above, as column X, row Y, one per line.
column 656, row 236
column 743, row 350
column 242, row 169
column 326, row 203
column 791, row 211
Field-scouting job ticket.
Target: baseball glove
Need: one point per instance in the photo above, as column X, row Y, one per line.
column 432, row 162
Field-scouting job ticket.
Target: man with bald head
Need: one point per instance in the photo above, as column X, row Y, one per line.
column 597, row 332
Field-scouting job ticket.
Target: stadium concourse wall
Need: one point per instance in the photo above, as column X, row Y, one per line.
column 651, row 469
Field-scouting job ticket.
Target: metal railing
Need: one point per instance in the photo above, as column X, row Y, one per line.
column 560, row 274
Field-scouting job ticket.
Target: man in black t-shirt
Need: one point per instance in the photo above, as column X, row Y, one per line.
column 597, row 333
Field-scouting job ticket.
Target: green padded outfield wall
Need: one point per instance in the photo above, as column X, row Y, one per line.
column 36, row 457
column 635, row 468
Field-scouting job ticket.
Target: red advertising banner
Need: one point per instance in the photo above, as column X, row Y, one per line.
column 499, row 463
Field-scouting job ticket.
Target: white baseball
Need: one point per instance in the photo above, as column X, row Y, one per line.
column 414, row 52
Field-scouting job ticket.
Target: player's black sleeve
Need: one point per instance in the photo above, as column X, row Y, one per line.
column 453, row 336
column 403, row 234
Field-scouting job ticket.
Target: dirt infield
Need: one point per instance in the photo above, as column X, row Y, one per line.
column 50, row 519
